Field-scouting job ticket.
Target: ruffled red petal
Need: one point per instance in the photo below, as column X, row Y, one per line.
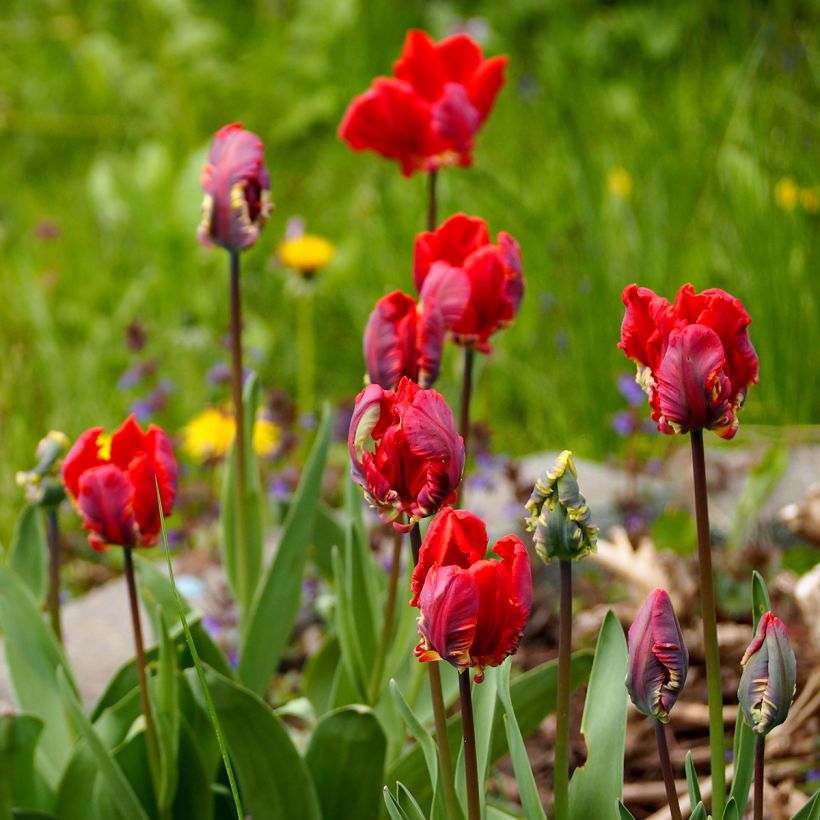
column 83, row 455
column 105, row 499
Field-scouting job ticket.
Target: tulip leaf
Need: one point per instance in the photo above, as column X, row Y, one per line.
column 277, row 601
column 624, row 812
column 527, row 790
column 166, row 711
column 760, row 599
column 320, row 669
column 346, row 626
column 811, row 811
column 699, row 813
column 533, row 697
column 346, row 758
column 34, row 655
column 273, row 779
column 21, row 783
column 396, row 805
column 731, row 812
column 691, row 780
column 328, row 532
column 194, row 797
column 243, row 562
column 123, row 797
column 28, row 551
column 599, row 782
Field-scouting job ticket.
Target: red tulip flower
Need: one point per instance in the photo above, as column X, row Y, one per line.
column 405, row 451
column 405, row 338
column 112, row 482
column 236, row 183
column 493, row 272
column 658, row 658
column 472, row 610
column 695, row 360
column 427, row 115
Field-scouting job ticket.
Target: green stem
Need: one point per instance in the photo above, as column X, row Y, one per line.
column 466, row 393
column 242, row 582
column 468, row 731
column 432, row 177
column 439, row 713
column 760, row 745
column 151, row 743
column 666, row 768
column 53, row 538
column 717, row 739
column 306, row 348
column 561, row 770
column 387, row 626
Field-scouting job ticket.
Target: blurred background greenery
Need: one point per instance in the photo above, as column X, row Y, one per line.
column 657, row 142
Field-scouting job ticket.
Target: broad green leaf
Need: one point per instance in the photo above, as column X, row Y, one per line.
column 599, row 782
column 527, row 790
column 21, row 784
column 393, row 808
column 346, row 760
column 419, row 733
column 32, row 814
column 277, row 601
column 699, row 813
column 132, row 758
column 328, row 532
column 403, row 806
column 730, row 812
column 273, row 779
column 120, row 789
column 28, row 551
column 533, row 697
column 243, row 562
column 624, row 813
column 319, row 673
column 691, row 780
column 346, row 626
column 34, row 656
column 166, row 710
column 811, row 811
column 194, row 797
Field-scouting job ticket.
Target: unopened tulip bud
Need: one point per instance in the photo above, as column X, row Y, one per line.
column 658, row 660
column 559, row 514
column 769, row 675
column 43, row 484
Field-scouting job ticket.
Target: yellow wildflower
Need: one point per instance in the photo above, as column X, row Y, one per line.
column 620, row 183
column 809, row 200
column 785, row 193
column 306, row 253
column 209, row 435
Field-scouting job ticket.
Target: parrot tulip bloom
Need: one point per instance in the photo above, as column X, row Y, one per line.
column 405, row 451
column 493, row 272
column 112, row 482
column 427, row 115
column 658, row 660
column 695, row 360
column 769, row 676
column 236, row 183
column 403, row 338
column 472, row 611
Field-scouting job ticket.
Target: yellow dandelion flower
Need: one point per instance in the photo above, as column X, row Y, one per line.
column 785, row 194
column 306, row 253
column 620, row 183
column 209, row 435
column 809, row 200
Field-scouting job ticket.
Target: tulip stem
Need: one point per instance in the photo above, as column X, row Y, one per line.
column 666, row 768
column 432, row 178
column 717, row 740
column 389, row 613
column 439, row 714
column 468, row 731
column 561, row 768
column 466, row 393
column 760, row 745
column 151, row 743
column 242, row 581
column 53, row 538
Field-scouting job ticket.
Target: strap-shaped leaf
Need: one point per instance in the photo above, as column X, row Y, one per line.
column 811, row 811
column 28, row 550
column 691, row 780
column 21, row 784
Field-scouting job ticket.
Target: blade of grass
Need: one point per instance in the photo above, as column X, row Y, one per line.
column 198, row 665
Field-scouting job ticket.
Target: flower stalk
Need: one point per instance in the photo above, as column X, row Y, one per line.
column 466, row 393
column 151, row 742
column 561, row 768
column 666, row 768
column 306, row 349
column 707, row 589
column 760, row 746
column 432, row 203
column 468, row 731
column 53, row 539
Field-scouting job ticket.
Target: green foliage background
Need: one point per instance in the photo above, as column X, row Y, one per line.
column 107, row 108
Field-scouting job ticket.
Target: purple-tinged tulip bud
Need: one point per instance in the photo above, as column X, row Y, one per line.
column 658, row 660
column 769, row 676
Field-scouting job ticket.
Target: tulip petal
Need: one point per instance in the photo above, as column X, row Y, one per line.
column 127, row 441
column 452, row 242
column 83, row 455
column 390, row 340
column 455, row 118
column 105, row 500
column 641, row 339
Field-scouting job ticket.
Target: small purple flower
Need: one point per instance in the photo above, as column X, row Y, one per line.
column 308, row 421
column 631, row 390
column 658, row 660
column 623, row 423
column 279, row 488
column 218, row 375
